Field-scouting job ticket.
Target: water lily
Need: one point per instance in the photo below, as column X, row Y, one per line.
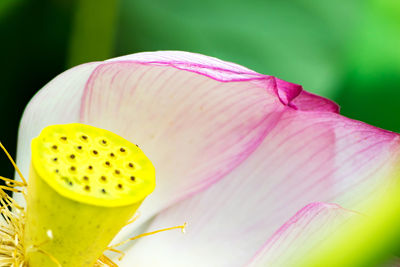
column 262, row 170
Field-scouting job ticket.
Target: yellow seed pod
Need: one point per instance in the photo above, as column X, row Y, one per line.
column 85, row 184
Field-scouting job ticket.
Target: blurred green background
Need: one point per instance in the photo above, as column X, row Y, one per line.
column 347, row 50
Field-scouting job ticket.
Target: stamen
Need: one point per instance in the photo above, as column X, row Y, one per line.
column 134, row 218
column 105, row 260
column 12, row 181
column 13, row 163
column 182, row 227
column 7, row 188
column 11, row 231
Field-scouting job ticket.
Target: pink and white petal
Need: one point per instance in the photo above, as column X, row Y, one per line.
column 307, row 229
column 309, row 102
column 307, row 157
column 194, row 129
column 228, row 72
column 205, row 65
column 56, row 103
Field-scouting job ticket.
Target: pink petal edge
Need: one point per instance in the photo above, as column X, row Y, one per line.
column 224, row 71
column 308, row 228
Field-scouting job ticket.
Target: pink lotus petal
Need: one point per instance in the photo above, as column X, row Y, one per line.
column 307, row 229
column 229, row 72
column 307, row 157
column 307, row 101
column 194, row 129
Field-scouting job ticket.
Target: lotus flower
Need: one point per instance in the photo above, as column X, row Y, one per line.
column 262, row 170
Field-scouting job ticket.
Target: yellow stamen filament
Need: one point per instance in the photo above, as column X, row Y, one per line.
column 11, row 182
column 105, row 261
column 137, row 215
column 7, row 188
column 13, row 163
column 11, row 232
column 182, row 227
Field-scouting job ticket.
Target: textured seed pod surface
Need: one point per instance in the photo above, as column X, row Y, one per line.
column 92, row 165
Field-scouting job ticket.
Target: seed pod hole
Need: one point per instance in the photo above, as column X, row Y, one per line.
column 90, row 167
column 54, row 147
column 117, row 172
column 133, row 178
column 79, row 148
column 103, row 142
column 86, row 178
column 63, row 138
column 112, row 155
column 55, row 159
column 87, row 188
column 95, row 152
column 122, row 150
column 107, row 164
column 72, row 156
column 119, row 186
column 72, row 168
column 84, row 138
column 103, row 191
column 103, row 178
column 130, row 165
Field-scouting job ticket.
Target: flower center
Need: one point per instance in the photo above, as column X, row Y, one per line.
column 85, row 184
